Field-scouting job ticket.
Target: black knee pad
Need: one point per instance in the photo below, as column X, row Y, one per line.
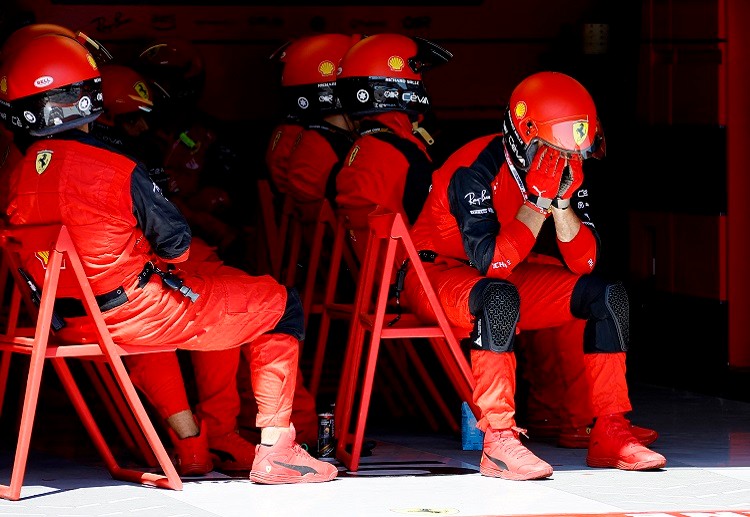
column 293, row 320
column 496, row 306
column 606, row 308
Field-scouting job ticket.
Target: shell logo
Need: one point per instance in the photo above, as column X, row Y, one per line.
column 520, row 110
column 43, row 256
column 396, row 63
column 326, row 68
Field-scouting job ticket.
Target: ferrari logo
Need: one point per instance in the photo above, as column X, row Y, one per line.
column 353, row 155
column 43, row 159
column 580, row 131
column 142, row 90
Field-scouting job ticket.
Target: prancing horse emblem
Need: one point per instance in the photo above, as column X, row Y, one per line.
column 43, row 159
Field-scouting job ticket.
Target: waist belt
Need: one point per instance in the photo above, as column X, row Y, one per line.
column 427, row 255
column 69, row 307
column 112, row 299
column 430, row 256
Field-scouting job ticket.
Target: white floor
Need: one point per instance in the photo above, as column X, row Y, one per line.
column 706, row 441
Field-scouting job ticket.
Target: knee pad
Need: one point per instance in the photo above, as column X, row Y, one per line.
column 605, row 307
column 293, row 320
column 496, row 306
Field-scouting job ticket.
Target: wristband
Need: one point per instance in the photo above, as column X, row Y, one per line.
column 544, row 211
column 561, row 204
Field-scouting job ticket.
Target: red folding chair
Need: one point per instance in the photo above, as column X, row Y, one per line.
column 371, row 325
column 273, row 228
column 41, row 343
column 308, row 226
column 338, row 305
column 332, row 307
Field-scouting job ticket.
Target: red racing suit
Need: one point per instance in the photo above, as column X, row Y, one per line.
column 469, row 221
column 279, row 148
column 320, row 148
column 387, row 166
column 119, row 222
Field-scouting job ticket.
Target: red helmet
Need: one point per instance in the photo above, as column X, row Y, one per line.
column 383, row 72
column 23, row 35
column 125, row 91
column 50, row 85
column 309, row 73
column 553, row 109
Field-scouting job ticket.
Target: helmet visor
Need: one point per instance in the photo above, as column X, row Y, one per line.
column 311, row 100
column 597, row 149
column 57, row 109
column 367, row 95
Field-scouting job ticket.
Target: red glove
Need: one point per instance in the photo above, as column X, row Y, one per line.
column 543, row 179
column 572, row 177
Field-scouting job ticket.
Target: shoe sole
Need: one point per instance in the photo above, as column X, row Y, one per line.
column 275, row 479
column 232, row 468
column 194, row 469
column 512, row 476
column 581, row 442
column 619, row 464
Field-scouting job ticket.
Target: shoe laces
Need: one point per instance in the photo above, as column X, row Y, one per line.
column 298, row 450
column 511, row 446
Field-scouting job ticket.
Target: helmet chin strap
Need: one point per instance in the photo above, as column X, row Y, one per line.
column 422, row 132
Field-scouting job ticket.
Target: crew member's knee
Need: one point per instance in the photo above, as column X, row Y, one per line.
column 495, row 304
column 605, row 307
column 293, row 320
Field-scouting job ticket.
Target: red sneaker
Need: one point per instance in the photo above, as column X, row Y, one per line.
column 613, row 445
column 504, row 456
column 287, row 462
column 231, row 452
column 190, row 455
column 578, row 438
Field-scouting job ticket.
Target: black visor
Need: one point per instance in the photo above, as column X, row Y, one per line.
column 58, row 109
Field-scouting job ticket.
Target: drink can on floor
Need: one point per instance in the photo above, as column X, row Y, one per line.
column 326, row 447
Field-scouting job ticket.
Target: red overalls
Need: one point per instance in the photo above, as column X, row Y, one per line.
column 89, row 190
column 545, row 289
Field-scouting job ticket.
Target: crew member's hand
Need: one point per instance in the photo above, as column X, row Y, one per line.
column 545, row 173
column 544, row 176
column 572, row 177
